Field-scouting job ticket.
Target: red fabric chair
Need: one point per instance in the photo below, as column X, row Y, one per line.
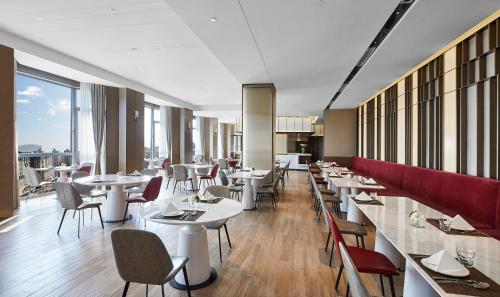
column 165, row 164
column 86, row 168
column 150, row 193
column 209, row 177
column 232, row 163
column 366, row 261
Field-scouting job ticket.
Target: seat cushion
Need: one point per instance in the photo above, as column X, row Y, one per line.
column 326, row 192
column 85, row 205
column 351, row 228
column 367, row 261
column 136, row 199
column 215, row 225
column 205, row 176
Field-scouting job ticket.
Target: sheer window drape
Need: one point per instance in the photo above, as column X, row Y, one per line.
column 202, row 137
column 166, row 131
column 85, row 129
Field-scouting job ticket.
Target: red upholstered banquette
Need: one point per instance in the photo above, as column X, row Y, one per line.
column 476, row 199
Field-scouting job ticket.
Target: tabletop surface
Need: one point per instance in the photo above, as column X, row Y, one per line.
column 112, row 180
column 195, row 166
column 225, row 209
column 392, row 220
column 249, row 174
column 350, row 183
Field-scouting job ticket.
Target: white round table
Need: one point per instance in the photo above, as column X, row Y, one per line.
column 115, row 204
column 252, row 181
column 192, row 174
column 193, row 241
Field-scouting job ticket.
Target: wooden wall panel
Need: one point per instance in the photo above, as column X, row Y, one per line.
column 112, row 142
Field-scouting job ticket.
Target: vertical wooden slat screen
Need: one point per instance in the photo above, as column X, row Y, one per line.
column 477, row 66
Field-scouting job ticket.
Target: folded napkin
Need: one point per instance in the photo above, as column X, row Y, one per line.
column 370, row 181
column 349, row 176
column 119, row 173
column 363, row 197
column 442, row 262
column 208, row 196
column 170, row 209
column 136, row 172
column 459, row 223
column 344, row 169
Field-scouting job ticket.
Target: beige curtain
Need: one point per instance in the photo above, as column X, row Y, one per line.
column 98, row 93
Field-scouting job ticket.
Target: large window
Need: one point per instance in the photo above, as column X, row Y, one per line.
column 151, row 131
column 44, row 121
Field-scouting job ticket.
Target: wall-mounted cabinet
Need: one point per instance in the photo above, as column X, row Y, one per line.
column 294, row 124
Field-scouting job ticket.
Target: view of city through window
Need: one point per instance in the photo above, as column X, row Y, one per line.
column 43, row 116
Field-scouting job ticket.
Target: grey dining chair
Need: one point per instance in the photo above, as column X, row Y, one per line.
column 223, row 165
column 35, row 184
column 139, row 189
column 141, row 257
column 271, row 192
column 71, row 199
column 219, row 191
column 234, row 190
column 356, row 286
column 181, row 175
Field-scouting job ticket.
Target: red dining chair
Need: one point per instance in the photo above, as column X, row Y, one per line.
column 365, row 261
column 151, row 192
column 209, row 177
column 86, row 168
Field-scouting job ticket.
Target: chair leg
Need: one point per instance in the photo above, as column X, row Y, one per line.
column 125, row 289
column 227, row 235
column 220, row 248
column 192, row 187
column 78, row 224
column 100, row 216
column 62, row 219
column 382, row 284
column 162, row 291
column 347, row 291
column 328, row 241
column 175, row 185
column 187, row 281
column 338, row 276
column 363, row 242
column 357, row 241
column 331, row 257
column 125, row 214
column 393, row 290
column 168, row 182
column 74, row 213
column 147, row 290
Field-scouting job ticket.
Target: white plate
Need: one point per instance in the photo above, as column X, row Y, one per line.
column 173, row 214
column 462, row 272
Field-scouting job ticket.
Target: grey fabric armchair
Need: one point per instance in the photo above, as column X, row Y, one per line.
column 139, row 189
column 219, row 191
column 141, row 257
column 234, row 190
column 181, row 175
column 70, row 199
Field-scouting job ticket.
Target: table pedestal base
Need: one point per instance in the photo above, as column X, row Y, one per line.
column 193, row 243
column 211, row 279
column 115, row 204
column 345, row 200
column 248, row 195
column 383, row 246
column 415, row 285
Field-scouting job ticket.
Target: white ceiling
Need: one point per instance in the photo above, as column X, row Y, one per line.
column 170, row 49
column 306, row 48
column 143, row 41
column 425, row 29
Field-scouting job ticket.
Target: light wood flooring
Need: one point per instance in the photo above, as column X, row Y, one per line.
column 273, row 254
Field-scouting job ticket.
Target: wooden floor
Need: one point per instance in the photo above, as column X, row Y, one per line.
column 273, row 254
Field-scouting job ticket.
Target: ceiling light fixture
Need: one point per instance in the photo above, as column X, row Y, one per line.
column 40, row 18
column 213, row 20
column 113, row 10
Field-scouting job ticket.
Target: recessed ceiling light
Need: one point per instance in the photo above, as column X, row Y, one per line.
column 212, row 19
column 113, row 10
column 398, row 12
column 40, row 18
column 134, row 49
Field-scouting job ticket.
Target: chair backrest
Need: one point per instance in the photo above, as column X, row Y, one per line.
column 86, row 167
column 152, row 189
column 318, row 196
column 213, row 172
column 140, row 256
column 165, row 164
column 213, row 161
column 67, row 195
column 82, row 189
column 276, row 181
column 180, row 172
column 358, row 289
column 32, row 177
column 149, row 172
column 223, row 164
column 334, row 229
column 218, row 191
column 223, row 178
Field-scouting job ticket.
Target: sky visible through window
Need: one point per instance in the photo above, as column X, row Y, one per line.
column 43, row 114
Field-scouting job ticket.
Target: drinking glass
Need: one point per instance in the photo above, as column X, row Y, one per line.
column 466, row 256
column 192, row 202
column 445, row 224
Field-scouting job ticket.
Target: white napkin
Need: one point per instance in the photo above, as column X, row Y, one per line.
column 344, row 169
column 170, row 209
column 208, row 196
column 136, row 172
column 363, row 197
column 442, row 261
column 460, row 223
column 119, row 173
column 349, row 176
column 370, row 181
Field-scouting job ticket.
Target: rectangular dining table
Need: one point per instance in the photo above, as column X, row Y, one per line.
column 395, row 237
